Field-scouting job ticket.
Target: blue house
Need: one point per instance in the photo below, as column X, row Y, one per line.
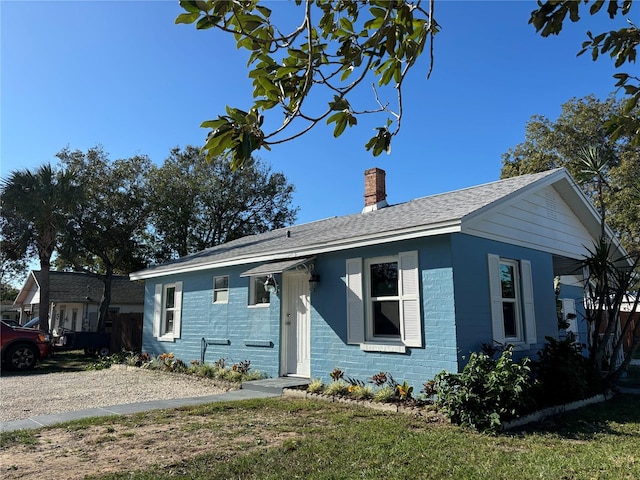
column 410, row 289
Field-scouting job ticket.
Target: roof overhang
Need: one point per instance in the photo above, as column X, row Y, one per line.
column 274, row 267
column 302, row 252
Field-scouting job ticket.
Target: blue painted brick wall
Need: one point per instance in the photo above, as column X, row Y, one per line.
column 329, row 348
column 473, row 308
column 234, row 321
column 455, row 312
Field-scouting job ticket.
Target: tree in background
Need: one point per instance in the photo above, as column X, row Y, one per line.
column 35, row 208
column 607, row 169
column 106, row 232
column 619, row 44
column 337, row 47
column 12, row 271
column 8, row 293
column 195, row 204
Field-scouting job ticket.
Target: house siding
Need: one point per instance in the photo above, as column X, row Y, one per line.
column 455, row 309
column 231, row 326
column 473, row 309
column 235, row 331
column 329, row 348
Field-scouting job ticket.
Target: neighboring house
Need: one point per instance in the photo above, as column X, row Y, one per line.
column 74, row 299
column 410, row 289
column 8, row 311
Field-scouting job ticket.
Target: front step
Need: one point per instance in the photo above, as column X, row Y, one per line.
column 274, row 385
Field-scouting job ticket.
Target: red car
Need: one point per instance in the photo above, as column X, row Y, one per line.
column 21, row 348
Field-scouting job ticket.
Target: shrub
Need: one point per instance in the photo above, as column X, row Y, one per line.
column 487, row 392
column 404, row 391
column 316, row 386
column 560, row 373
column 361, row 392
column 338, row 387
column 386, row 393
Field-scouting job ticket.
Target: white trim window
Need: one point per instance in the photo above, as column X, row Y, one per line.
column 258, row 295
column 167, row 312
column 221, row 289
column 512, row 305
column 383, row 302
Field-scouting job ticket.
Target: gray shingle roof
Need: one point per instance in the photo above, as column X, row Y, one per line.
column 75, row 287
column 424, row 214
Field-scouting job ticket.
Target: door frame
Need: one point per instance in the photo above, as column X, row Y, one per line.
column 289, row 278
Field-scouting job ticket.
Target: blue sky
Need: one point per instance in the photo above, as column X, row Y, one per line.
column 123, row 75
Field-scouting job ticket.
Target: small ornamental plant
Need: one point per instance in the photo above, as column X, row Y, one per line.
column 237, row 372
column 361, row 392
column 384, row 394
column 337, row 388
column 405, row 391
column 316, row 386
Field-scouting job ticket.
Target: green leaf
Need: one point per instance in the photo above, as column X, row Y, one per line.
column 339, row 103
column 205, row 23
column 346, row 73
column 346, row 24
column 190, row 6
column 266, row 12
column 335, row 117
column 377, row 12
column 187, row 18
column 214, row 124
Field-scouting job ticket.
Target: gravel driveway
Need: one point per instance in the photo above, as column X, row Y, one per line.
column 29, row 395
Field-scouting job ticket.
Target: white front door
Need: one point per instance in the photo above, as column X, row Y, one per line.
column 296, row 325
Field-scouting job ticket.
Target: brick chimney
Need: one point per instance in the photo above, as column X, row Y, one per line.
column 375, row 193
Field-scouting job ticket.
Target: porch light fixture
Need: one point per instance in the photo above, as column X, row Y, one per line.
column 314, row 279
column 270, row 285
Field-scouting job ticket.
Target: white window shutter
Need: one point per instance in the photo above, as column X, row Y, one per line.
column 355, row 305
column 177, row 314
column 157, row 310
column 410, row 299
column 495, row 294
column 528, row 302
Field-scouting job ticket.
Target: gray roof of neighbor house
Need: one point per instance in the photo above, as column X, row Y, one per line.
column 75, row 287
column 436, row 214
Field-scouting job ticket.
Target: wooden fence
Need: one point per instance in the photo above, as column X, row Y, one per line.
column 126, row 332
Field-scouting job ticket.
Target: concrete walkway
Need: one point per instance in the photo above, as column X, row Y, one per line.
column 267, row 388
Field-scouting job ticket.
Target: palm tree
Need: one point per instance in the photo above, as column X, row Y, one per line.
column 594, row 164
column 34, row 208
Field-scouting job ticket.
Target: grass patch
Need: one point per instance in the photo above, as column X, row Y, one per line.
column 18, row 437
column 69, row 361
column 322, row 440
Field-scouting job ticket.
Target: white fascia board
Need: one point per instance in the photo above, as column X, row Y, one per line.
column 26, row 288
column 310, row 250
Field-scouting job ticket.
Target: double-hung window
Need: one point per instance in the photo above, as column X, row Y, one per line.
column 511, row 289
column 167, row 311
column 383, row 302
column 221, row 289
column 383, row 298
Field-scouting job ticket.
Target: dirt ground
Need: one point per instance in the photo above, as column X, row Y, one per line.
column 136, row 442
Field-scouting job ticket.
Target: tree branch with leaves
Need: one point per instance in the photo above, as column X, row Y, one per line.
column 620, row 45
column 335, row 47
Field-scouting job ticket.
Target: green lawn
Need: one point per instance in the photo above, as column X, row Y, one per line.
column 335, row 441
